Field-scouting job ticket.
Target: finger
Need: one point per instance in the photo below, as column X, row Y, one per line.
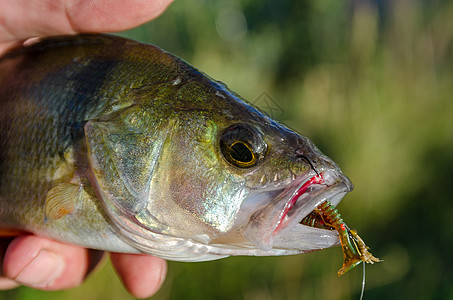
column 141, row 274
column 5, row 283
column 21, row 19
column 48, row 265
column 109, row 15
column 4, row 47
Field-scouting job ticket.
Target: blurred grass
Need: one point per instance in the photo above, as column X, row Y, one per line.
column 371, row 82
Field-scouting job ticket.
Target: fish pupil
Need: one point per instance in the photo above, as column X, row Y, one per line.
column 241, row 152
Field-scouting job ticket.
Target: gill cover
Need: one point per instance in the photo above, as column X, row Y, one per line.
column 122, row 159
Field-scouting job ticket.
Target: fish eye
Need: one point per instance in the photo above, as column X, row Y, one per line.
column 242, row 145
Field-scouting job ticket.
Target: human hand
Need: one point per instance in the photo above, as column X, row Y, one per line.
column 22, row 19
column 49, row 265
column 41, row 263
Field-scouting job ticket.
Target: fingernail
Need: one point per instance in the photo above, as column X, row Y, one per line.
column 6, row 283
column 163, row 273
column 42, row 270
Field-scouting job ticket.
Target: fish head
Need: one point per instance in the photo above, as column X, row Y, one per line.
column 285, row 178
column 189, row 171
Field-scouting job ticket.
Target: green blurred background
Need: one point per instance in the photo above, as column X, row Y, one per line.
column 371, row 82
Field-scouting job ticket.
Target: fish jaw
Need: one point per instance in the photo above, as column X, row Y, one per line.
column 273, row 230
column 277, row 226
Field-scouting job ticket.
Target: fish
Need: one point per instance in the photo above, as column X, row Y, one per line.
column 117, row 145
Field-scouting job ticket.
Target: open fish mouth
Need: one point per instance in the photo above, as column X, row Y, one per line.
column 326, row 218
column 311, row 193
column 291, row 222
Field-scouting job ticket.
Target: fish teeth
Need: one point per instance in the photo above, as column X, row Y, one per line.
column 263, row 179
column 276, row 177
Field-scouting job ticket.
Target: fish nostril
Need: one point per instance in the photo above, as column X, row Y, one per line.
column 299, row 152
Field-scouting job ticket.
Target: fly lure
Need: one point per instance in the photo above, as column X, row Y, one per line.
column 354, row 249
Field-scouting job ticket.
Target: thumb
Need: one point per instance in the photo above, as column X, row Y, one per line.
column 21, row 19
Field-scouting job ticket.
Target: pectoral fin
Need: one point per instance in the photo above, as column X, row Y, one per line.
column 60, row 200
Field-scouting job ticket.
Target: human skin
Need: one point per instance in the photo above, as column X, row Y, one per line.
column 41, row 263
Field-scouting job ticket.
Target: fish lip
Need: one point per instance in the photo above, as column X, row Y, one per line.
column 309, row 194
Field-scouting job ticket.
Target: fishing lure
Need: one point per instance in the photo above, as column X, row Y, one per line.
column 354, row 248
